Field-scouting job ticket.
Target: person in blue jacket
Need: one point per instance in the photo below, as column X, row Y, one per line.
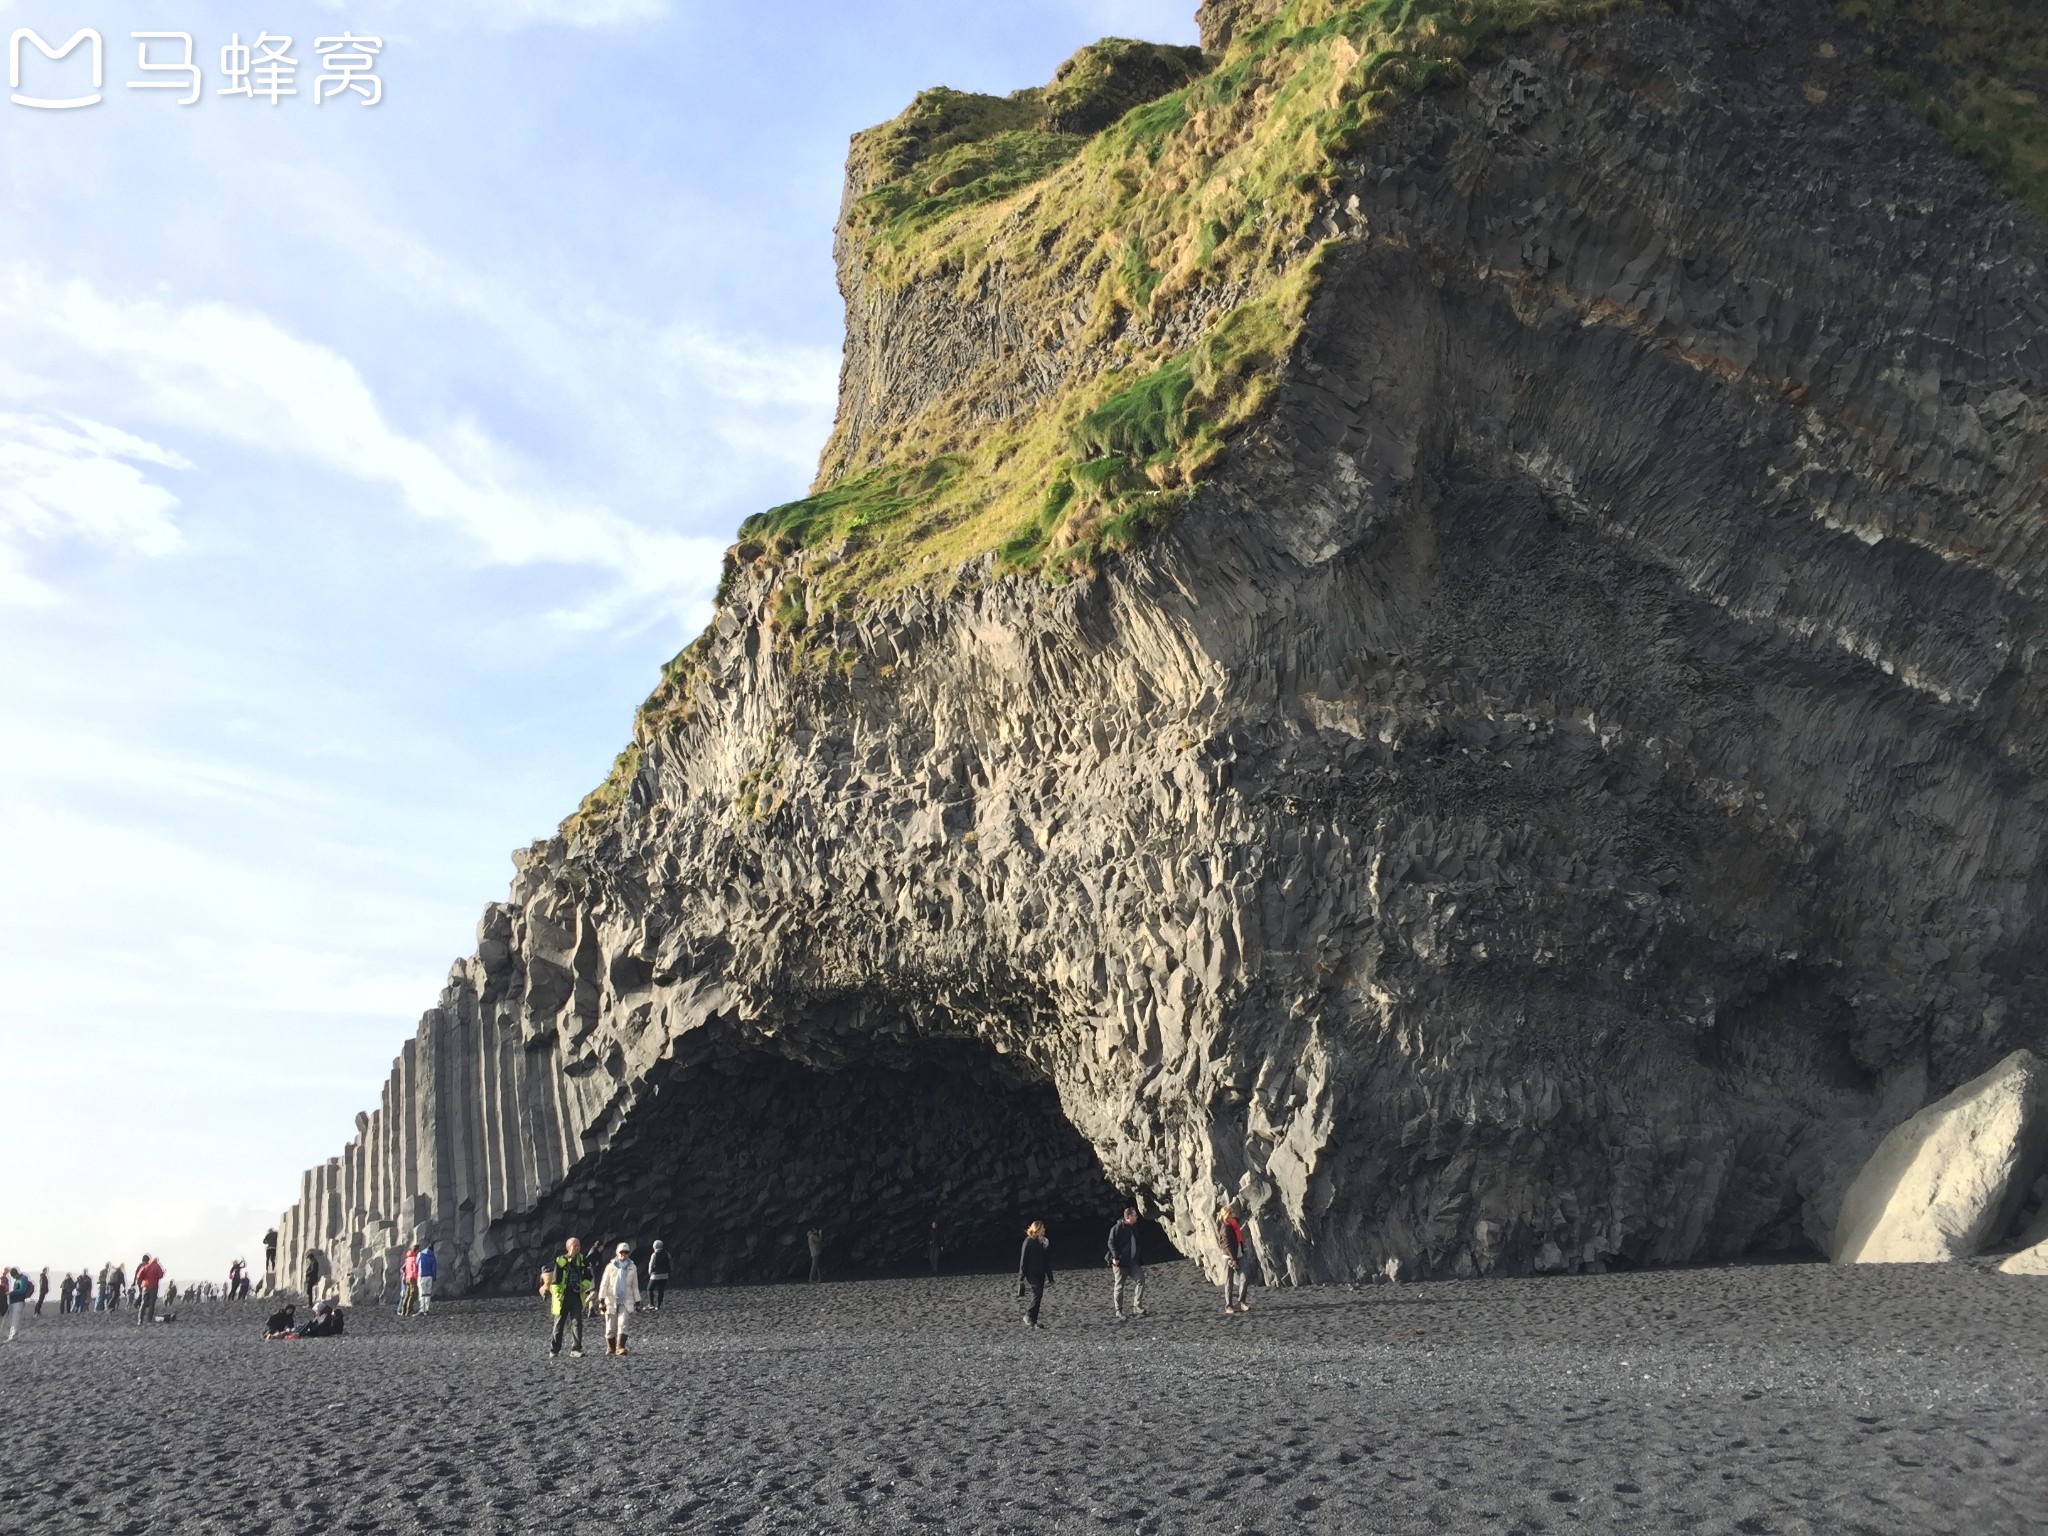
column 430, row 1268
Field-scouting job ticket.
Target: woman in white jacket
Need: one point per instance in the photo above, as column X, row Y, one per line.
column 618, row 1293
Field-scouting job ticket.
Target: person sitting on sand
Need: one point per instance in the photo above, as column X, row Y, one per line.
column 325, row 1323
column 567, row 1283
column 618, row 1293
column 1034, row 1269
column 280, row 1322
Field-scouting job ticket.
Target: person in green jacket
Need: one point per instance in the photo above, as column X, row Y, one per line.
column 567, row 1283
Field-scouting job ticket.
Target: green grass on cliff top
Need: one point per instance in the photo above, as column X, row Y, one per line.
column 1977, row 70
column 1175, row 194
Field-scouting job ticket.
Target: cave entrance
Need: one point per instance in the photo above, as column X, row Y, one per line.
column 739, row 1155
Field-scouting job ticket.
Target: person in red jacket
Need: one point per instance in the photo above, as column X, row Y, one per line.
column 1236, row 1258
column 148, row 1276
column 409, row 1276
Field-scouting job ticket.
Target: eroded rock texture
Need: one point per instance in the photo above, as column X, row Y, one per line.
column 1566, row 789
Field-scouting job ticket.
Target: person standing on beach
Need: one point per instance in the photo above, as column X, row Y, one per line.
column 148, row 1276
column 409, row 1290
column 1236, row 1255
column 932, row 1247
column 567, row 1283
column 19, row 1291
column 312, row 1274
column 42, row 1290
column 658, row 1268
column 618, row 1292
column 1034, row 1270
column 82, row 1300
column 816, row 1238
column 64, row 1294
column 1127, row 1273
column 429, row 1269
column 270, row 1261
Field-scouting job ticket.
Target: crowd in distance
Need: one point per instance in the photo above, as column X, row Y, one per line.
column 573, row 1288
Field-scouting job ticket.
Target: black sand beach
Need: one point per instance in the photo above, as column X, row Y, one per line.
column 1765, row 1399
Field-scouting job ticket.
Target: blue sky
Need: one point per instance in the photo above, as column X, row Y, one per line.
column 359, row 467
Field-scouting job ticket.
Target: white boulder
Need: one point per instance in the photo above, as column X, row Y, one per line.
column 2028, row 1261
column 1951, row 1179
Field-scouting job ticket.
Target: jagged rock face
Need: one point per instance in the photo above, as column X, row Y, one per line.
column 1567, row 787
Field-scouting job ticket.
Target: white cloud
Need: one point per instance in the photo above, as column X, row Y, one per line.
column 234, row 376
column 693, row 393
column 68, row 477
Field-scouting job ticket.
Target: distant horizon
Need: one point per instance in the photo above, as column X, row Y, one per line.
column 359, row 468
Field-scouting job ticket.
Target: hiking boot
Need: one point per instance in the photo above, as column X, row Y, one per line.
column 622, row 1346
column 575, row 1354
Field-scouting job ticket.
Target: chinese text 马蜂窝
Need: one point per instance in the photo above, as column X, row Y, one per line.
column 262, row 70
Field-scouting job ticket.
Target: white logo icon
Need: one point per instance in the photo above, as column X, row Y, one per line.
column 99, row 67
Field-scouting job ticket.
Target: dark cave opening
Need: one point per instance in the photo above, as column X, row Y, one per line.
column 739, row 1155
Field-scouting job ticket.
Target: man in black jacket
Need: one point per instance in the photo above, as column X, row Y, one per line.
column 1034, row 1269
column 658, row 1267
column 1128, row 1273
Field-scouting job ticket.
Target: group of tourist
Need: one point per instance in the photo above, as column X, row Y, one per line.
column 1127, row 1267
column 574, row 1289
column 108, row 1291
column 416, row 1280
column 110, row 1288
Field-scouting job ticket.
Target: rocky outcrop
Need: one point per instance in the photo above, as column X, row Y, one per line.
column 1951, row 1179
column 2028, row 1261
column 1566, row 786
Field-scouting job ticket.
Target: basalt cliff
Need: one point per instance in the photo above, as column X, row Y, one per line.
column 1433, row 619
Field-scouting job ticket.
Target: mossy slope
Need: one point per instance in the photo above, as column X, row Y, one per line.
column 1182, row 223
column 1189, row 215
column 1977, row 70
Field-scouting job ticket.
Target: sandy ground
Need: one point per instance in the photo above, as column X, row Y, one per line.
column 1767, row 1399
